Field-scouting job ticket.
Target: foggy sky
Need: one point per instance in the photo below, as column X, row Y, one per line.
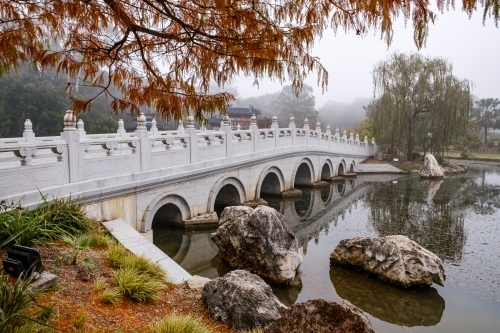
column 473, row 49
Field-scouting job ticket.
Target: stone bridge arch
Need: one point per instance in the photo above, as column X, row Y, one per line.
column 158, row 203
column 326, row 167
column 270, row 188
column 300, row 169
column 223, row 181
column 341, row 168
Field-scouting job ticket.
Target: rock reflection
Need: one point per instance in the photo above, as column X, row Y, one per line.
column 430, row 188
column 419, row 307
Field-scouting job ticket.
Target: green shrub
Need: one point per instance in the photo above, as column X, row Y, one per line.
column 19, row 311
column 110, row 296
column 137, row 286
column 67, row 214
column 116, row 255
column 99, row 284
column 143, row 265
column 179, row 324
column 20, row 226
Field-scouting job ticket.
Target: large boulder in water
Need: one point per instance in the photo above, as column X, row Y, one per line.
column 320, row 316
column 431, row 168
column 394, row 260
column 242, row 300
column 454, row 169
column 260, row 241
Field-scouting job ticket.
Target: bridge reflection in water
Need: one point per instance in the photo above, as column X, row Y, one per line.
column 308, row 216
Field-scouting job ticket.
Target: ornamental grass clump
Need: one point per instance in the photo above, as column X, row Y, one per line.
column 110, row 296
column 175, row 323
column 137, row 285
column 143, row 265
column 19, row 311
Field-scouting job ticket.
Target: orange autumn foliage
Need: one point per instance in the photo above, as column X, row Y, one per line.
column 164, row 53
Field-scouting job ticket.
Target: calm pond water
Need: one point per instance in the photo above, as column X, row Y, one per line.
column 457, row 218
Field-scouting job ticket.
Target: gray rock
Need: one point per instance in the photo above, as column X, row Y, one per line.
column 260, row 241
column 242, row 300
column 431, row 168
column 454, row 169
column 394, row 260
column 320, row 316
column 197, row 282
column 44, row 280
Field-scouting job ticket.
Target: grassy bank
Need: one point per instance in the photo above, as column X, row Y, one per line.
column 101, row 288
column 474, row 156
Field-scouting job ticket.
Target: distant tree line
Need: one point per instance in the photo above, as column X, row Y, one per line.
column 39, row 96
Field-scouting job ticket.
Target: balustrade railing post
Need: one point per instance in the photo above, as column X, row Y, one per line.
column 226, row 128
column 28, row 134
column 276, row 128
column 75, row 150
column 374, row 147
column 306, row 129
column 142, row 134
column 192, row 138
column 318, row 132
column 292, row 128
column 255, row 131
column 329, row 136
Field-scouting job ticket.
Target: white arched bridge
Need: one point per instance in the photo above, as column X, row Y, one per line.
column 181, row 175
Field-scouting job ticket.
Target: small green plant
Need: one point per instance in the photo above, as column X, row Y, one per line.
column 110, row 296
column 88, row 265
column 19, row 311
column 143, row 265
column 78, row 324
column 116, row 255
column 175, row 323
column 81, row 242
column 101, row 241
column 99, row 284
column 136, row 285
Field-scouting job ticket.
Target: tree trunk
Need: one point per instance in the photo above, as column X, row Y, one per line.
column 409, row 155
column 486, row 135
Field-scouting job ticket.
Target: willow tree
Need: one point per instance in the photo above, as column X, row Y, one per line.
column 485, row 114
column 164, row 53
column 419, row 101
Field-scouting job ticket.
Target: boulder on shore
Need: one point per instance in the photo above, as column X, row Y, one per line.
column 242, row 300
column 454, row 169
column 394, row 260
column 431, row 168
column 318, row 316
column 260, row 241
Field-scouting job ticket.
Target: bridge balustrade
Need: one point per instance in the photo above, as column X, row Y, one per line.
column 31, row 162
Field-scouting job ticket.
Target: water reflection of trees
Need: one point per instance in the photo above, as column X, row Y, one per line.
column 434, row 220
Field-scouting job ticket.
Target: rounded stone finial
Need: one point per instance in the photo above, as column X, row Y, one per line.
column 28, row 126
column 328, row 127
column 80, row 125
column 373, row 140
column 306, row 121
column 238, row 127
column 153, row 123
column 292, row 119
column 141, row 121
column 226, row 121
column 253, row 120
column 121, row 125
column 357, row 137
column 190, row 121
column 69, row 121
column 275, row 119
column 366, row 139
column 337, row 133
column 344, row 133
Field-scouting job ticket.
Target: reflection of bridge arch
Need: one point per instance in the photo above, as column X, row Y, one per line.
column 233, row 183
column 326, row 169
column 270, row 187
column 341, row 168
column 303, row 172
column 158, row 203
